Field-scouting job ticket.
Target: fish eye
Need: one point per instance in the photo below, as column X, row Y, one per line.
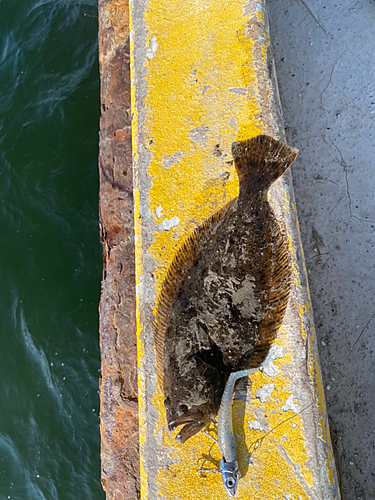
column 182, row 410
column 167, row 402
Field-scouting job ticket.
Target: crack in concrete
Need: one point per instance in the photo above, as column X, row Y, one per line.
column 312, row 15
column 337, row 204
column 363, row 329
column 331, row 75
column 318, row 255
column 347, row 189
column 362, row 61
column 345, row 166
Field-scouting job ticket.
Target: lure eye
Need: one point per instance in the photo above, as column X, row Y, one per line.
column 230, row 482
column 182, row 410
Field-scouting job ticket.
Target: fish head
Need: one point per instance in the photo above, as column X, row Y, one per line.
column 192, row 419
column 193, row 390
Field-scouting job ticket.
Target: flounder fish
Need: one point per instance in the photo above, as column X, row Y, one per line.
column 225, row 293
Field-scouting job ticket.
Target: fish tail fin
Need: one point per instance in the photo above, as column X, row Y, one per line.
column 260, row 161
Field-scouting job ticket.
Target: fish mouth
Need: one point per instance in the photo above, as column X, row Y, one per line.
column 192, row 425
column 180, row 421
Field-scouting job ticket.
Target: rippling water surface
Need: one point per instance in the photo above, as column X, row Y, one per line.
column 50, row 256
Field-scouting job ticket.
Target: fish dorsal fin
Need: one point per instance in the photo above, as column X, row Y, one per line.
column 185, row 256
column 261, row 160
column 278, row 291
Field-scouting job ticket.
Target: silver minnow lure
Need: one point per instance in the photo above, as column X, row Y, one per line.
column 227, row 442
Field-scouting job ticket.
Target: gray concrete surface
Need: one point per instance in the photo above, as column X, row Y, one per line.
column 325, row 59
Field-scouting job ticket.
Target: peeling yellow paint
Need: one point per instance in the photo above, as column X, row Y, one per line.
column 287, row 202
column 185, row 129
column 306, row 473
column 271, row 472
column 303, row 331
column 303, row 310
column 140, row 346
column 203, row 94
column 295, row 271
column 269, row 476
column 260, row 16
column 311, row 367
column 323, row 422
column 330, row 467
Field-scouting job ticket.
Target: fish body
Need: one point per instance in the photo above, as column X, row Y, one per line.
column 225, row 294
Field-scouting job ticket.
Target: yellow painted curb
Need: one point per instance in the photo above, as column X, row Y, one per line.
column 203, row 77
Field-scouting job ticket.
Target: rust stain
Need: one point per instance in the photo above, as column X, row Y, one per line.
column 118, row 385
column 122, row 134
column 115, row 17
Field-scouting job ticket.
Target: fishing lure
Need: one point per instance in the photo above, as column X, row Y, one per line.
column 226, row 439
column 224, row 297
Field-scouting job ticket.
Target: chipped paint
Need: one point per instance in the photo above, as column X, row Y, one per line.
column 268, row 367
column 140, row 340
column 174, row 158
column 265, row 392
column 159, row 212
column 167, row 224
column 151, row 48
column 290, row 405
column 206, row 85
column 257, row 426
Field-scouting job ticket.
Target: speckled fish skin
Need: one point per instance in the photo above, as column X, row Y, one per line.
column 231, row 295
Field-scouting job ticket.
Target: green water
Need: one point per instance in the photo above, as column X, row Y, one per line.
column 50, row 256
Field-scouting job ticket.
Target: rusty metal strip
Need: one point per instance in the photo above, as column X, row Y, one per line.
column 118, row 387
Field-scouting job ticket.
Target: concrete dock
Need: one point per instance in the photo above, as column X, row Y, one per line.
column 324, row 56
column 200, row 78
